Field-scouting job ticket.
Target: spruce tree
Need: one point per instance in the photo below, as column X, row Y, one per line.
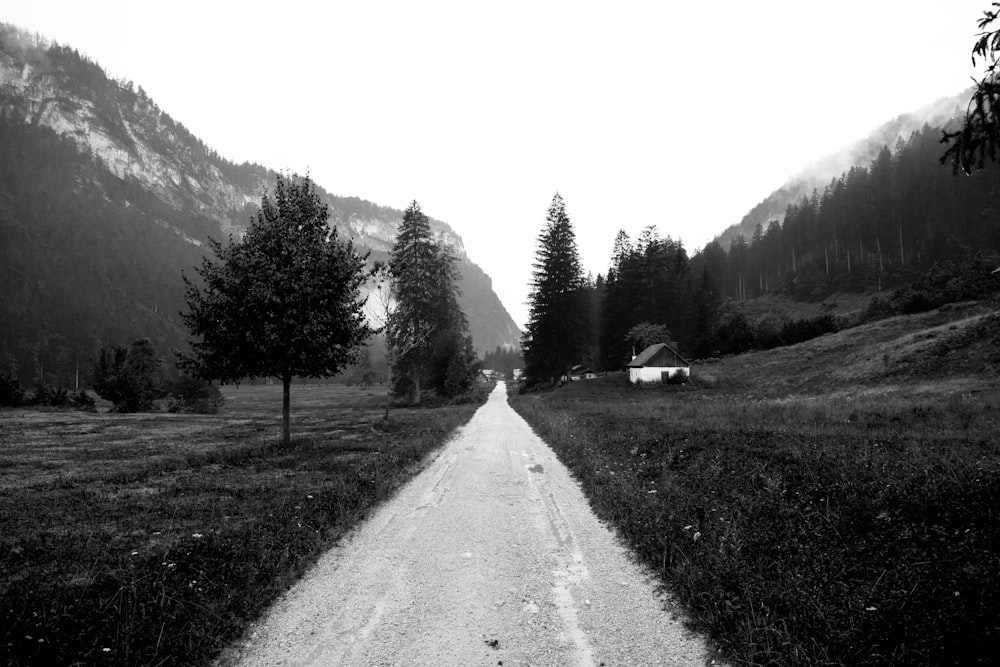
column 557, row 320
column 427, row 332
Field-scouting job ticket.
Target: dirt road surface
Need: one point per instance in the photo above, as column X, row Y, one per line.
column 491, row 556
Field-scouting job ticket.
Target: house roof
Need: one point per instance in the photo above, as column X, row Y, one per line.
column 580, row 368
column 650, row 353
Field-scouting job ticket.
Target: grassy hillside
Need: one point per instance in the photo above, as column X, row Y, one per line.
column 832, row 502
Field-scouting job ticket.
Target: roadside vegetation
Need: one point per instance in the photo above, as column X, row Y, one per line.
column 832, row 502
column 157, row 538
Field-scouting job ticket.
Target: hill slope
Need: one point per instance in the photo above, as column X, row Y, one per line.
column 817, row 175
column 105, row 199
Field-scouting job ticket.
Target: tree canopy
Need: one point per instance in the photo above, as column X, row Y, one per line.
column 979, row 137
column 282, row 302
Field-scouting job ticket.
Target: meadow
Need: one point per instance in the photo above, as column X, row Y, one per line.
column 834, row 502
column 155, row 539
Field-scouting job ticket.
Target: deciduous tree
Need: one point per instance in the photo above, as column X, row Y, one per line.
column 979, row 137
column 283, row 302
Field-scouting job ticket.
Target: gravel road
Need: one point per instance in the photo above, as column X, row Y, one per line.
column 491, row 556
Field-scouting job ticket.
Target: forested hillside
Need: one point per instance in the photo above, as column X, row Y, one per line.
column 819, row 173
column 903, row 228
column 105, row 200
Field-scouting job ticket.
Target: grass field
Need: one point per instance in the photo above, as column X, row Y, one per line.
column 831, row 503
column 154, row 539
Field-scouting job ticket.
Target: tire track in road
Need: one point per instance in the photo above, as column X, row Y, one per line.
column 490, row 555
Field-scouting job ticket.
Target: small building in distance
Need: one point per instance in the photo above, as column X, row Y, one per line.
column 657, row 363
column 581, row 372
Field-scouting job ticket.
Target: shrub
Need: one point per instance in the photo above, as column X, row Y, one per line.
column 11, row 391
column 878, row 309
column 194, row 395
column 81, row 400
column 799, row 331
column 680, row 377
column 47, row 394
column 907, row 301
column 127, row 378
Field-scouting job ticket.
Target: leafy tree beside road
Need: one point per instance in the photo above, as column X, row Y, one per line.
column 283, row 302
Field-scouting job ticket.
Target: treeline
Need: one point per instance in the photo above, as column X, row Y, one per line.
column 81, row 267
column 503, row 360
column 904, row 227
column 873, row 227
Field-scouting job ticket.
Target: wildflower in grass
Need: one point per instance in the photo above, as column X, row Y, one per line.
column 197, row 536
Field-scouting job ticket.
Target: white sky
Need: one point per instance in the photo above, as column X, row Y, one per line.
column 678, row 114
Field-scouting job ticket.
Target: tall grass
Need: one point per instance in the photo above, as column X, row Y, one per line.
column 160, row 538
column 833, row 529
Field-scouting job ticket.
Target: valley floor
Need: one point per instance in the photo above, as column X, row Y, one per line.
column 832, row 502
column 490, row 556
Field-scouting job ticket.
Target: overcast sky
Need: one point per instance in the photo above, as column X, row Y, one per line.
column 678, row 114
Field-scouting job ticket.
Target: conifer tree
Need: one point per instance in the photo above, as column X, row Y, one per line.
column 283, row 302
column 557, row 320
column 427, row 332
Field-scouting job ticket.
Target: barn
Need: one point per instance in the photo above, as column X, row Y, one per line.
column 657, row 363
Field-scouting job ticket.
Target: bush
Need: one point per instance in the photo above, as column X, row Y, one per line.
column 50, row 395
column 680, row 377
column 11, row 391
column 799, row 331
column 193, row 395
column 127, row 378
column 81, row 400
column 947, row 282
column 878, row 309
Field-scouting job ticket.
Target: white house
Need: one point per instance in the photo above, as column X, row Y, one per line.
column 657, row 363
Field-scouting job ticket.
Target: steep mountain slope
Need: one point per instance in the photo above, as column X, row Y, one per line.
column 817, row 175
column 105, row 199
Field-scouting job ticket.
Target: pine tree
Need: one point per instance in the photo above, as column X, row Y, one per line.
column 427, row 332
column 557, row 318
column 283, row 302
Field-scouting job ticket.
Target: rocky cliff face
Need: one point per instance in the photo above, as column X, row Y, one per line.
column 174, row 178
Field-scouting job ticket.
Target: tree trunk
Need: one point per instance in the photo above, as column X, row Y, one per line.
column 902, row 257
column 416, row 388
column 286, row 382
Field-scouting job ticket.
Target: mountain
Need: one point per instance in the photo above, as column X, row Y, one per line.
column 818, row 175
column 105, row 200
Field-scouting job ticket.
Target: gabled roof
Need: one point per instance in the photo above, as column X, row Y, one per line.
column 580, row 368
column 650, row 353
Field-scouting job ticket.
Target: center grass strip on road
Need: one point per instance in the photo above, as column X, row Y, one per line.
column 820, row 531
column 157, row 539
